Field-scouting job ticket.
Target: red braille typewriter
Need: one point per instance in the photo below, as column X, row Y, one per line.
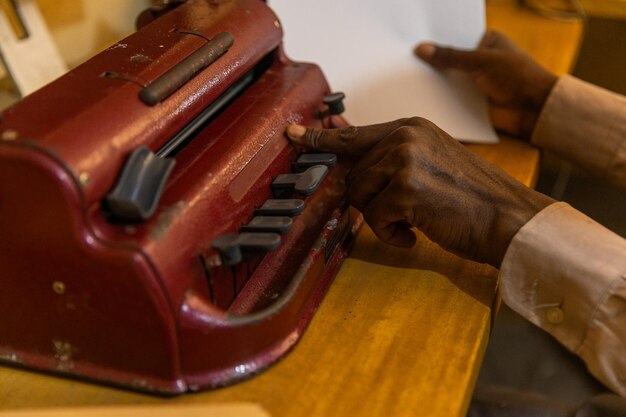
column 157, row 229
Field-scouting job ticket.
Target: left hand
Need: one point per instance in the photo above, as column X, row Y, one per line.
column 517, row 87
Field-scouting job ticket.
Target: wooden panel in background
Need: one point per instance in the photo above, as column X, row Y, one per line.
column 27, row 50
column 605, row 8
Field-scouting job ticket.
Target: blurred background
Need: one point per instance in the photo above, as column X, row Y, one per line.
column 78, row 29
column 81, row 28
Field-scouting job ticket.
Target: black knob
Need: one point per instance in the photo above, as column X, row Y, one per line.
column 334, row 101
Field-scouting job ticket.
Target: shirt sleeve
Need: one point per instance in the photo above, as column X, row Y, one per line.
column 586, row 125
column 567, row 274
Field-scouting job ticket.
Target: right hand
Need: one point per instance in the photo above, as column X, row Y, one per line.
column 413, row 174
column 516, row 86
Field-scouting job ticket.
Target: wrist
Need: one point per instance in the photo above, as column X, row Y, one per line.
column 521, row 206
column 535, row 102
column 544, row 93
column 541, row 87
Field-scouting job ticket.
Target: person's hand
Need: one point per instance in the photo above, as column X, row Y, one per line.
column 516, row 86
column 413, row 174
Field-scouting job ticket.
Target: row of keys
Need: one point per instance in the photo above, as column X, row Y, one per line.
column 274, row 217
column 137, row 191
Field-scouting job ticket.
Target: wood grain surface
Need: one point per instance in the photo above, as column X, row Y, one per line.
column 206, row 410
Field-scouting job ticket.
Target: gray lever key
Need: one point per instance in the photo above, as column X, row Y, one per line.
column 235, row 247
column 280, row 207
column 303, row 183
column 307, row 160
column 268, row 224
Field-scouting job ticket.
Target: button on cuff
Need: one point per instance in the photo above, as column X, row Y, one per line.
column 555, row 315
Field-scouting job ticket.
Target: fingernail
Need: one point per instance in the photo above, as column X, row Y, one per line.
column 296, row 131
column 426, row 50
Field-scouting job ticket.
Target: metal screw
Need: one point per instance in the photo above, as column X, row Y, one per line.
column 276, row 23
column 212, row 261
column 58, row 287
column 85, row 178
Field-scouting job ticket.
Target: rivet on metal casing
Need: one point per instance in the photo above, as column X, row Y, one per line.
column 84, row 178
column 58, row 287
column 9, row 135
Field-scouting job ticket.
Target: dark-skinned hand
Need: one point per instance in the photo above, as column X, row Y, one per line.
column 410, row 174
column 516, row 86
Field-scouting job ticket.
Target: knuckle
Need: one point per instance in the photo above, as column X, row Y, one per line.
column 413, row 124
column 431, row 128
column 315, row 138
column 404, row 154
column 416, row 121
column 405, row 180
column 402, row 135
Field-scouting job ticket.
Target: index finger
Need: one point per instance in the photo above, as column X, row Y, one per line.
column 350, row 140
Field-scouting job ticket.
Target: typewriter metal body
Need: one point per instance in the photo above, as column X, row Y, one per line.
column 118, row 265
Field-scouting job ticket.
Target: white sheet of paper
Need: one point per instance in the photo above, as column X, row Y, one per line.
column 365, row 48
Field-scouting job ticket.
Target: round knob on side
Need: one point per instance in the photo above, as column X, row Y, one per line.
column 334, row 101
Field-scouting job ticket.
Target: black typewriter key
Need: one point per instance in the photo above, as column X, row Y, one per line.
column 303, row 183
column 334, row 101
column 268, row 224
column 307, row 160
column 281, row 207
column 235, row 248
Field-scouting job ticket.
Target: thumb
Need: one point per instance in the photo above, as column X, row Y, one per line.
column 450, row 58
column 350, row 140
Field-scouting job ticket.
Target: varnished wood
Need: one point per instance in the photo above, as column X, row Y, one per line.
column 553, row 43
column 400, row 333
column 209, row 410
column 605, row 8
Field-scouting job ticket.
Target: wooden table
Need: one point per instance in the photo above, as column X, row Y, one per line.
column 400, row 333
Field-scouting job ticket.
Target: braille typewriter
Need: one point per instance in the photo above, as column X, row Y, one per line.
column 157, row 229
